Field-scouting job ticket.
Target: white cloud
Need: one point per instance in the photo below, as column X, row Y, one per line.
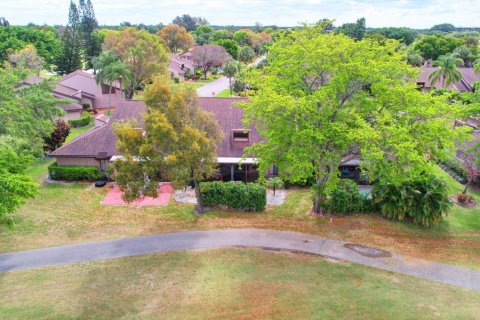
column 412, row 13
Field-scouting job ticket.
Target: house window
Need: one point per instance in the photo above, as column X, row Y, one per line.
column 106, row 89
column 241, row 135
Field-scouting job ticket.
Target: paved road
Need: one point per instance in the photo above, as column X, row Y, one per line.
column 271, row 239
column 215, row 86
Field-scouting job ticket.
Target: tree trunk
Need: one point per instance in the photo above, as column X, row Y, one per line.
column 230, row 82
column 109, row 98
column 466, row 187
column 198, row 195
column 319, row 197
column 205, row 71
column 317, row 204
column 274, row 190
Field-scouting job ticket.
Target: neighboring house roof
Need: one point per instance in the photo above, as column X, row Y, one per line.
column 80, row 85
column 179, row 65
column 60, row 92
column 100, row 142
column 465, row 84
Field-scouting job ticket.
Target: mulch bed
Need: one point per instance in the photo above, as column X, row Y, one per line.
column 470, row 204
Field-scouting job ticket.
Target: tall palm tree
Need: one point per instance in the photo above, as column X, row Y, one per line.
column 230, row 69
column 111, row 69
column 447, row 70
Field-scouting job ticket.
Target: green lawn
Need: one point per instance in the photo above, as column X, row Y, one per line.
column 227, row 284
column 190, row 85
column 71, row 212
column 75, row 132
column 201, row 80
column 224, row 94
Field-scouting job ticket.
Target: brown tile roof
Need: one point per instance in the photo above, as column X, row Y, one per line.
column 176, row 62
column 102, row 139
column 465, row 84
column 229, row 118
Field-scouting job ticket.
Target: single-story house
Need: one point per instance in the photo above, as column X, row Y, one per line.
column 97, row 147
column 81, row 88
column 469, row 76
column 179, row 65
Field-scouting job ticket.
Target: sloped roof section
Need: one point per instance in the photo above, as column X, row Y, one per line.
column 102, row 140
column 465, row 84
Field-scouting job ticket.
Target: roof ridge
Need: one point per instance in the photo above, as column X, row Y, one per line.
column 76, row 139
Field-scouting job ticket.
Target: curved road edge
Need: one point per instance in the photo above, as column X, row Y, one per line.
column 271, row 239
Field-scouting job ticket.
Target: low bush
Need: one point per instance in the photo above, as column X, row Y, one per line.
column 346, row 198
column 455, row 169
column 82, row 122
column 238, row 196
column 75, row 173
column 423, row 200
column 176, row 80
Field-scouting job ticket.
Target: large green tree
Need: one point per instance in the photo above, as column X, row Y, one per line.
column 143, row 52
column 325, row 99
column 44, row 39
column 71, row 57
column 354, row 30
column 27, row 114
column 15, row 185
column 432, row 47
column 178, row 143
column 404, row 35
column 92, row 43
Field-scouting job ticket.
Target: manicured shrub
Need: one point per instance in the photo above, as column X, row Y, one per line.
column 238, row 196
column 423, row 200
column 75, row 173
column 176, row 80
column 455, row 169
column 82, row 122
column 346, row 198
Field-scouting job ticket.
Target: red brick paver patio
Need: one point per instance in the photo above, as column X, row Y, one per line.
column 114, row 197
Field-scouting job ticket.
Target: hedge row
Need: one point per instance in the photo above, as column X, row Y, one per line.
column 82, row 122
column 75, row 173
column 455, row 169
column 238, row 196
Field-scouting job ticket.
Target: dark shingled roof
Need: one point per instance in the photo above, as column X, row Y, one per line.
column 102, row 139
column 465, row 84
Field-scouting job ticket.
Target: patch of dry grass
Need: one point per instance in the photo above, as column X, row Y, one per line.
column 68, row 213
column 227, row 284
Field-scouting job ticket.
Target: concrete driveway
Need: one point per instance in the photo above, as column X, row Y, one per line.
column 213, row 88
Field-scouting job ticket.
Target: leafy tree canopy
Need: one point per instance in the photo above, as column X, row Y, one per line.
column 15, row 185
column 325, row 99
column 434, row 46
column 143, row 52
column 26, row 114
column 176, row 38
column 179, row 143
column 405, row 35
column 444, row 27
column 44, row 40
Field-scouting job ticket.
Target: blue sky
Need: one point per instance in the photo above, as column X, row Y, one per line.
column 417, row 14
